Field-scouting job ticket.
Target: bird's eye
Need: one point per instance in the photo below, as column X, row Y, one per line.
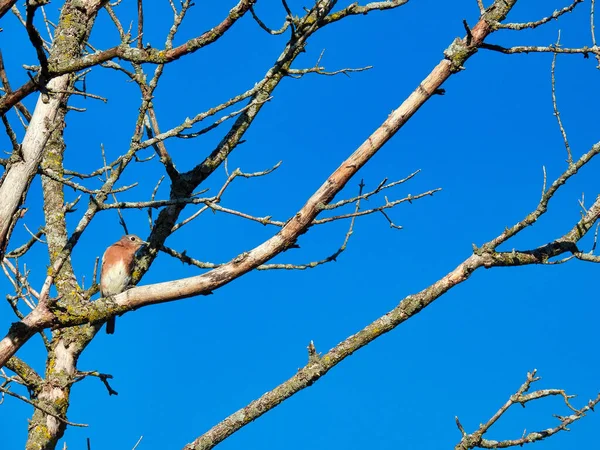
column 132, row 238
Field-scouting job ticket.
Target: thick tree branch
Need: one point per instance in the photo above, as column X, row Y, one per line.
column 18, row 175
column 29, row 376
column 5, row 5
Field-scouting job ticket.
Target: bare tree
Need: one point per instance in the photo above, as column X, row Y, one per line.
column 60, row 310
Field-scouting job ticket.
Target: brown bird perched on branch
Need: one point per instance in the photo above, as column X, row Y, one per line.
column 117, row 264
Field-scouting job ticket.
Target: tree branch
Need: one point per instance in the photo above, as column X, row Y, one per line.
column 476, row 440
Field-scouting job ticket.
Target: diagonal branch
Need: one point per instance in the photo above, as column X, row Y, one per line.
column 554, row 16
column 30, row 377
column 40, row 407
column 8, row 90
column 5, row 6
column 355, row 9
column 153, row 55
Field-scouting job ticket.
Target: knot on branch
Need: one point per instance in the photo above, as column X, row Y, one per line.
column 478, row 251
column 18, row 328
column 457, row 53
column 313, row 356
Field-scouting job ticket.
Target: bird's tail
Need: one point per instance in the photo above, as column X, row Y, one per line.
column 110, row 325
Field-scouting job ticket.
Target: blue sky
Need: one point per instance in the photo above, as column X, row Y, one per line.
column 182, row 367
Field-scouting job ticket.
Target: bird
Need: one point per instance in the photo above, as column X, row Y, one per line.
column 117, row 264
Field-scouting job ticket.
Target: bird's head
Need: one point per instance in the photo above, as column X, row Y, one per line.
column 131, row 241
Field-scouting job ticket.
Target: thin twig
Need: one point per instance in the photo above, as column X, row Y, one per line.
column 555, row 107
column 555, row 15
column 36, row 405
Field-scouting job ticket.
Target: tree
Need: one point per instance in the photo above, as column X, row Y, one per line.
column 184, row 168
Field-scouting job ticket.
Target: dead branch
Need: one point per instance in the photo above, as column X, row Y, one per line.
column 521, row 397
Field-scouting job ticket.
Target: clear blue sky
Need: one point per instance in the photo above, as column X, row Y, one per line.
column 182, row 367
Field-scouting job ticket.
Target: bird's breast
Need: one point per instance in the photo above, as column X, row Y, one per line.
column 114, row 279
